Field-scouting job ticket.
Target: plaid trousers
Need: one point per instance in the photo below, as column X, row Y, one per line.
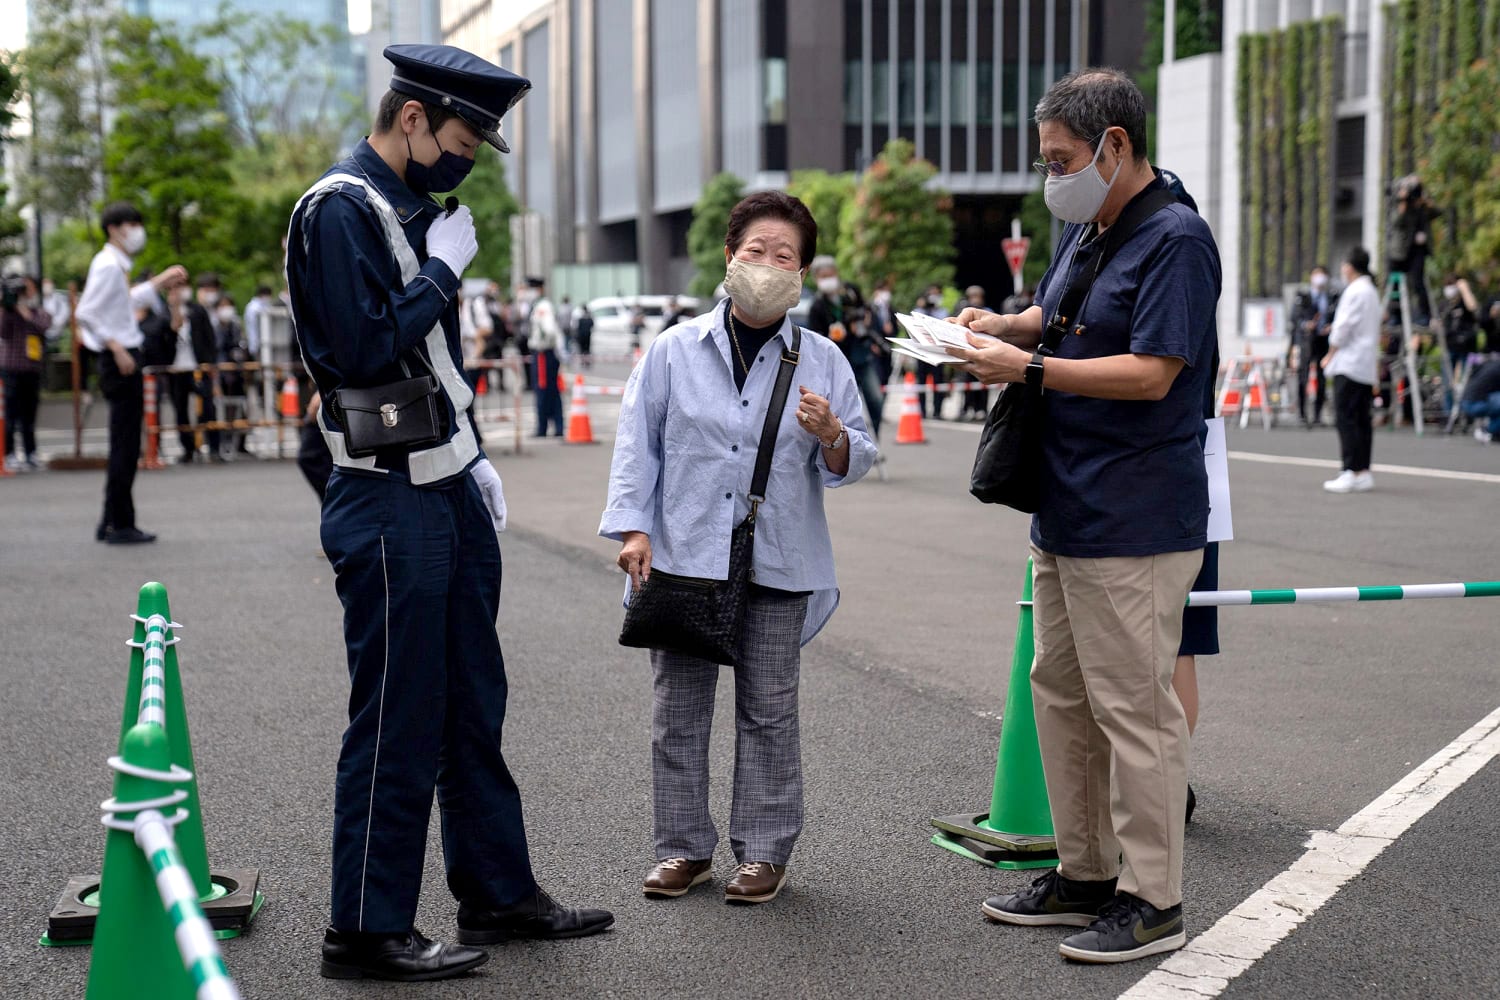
column 766, row 816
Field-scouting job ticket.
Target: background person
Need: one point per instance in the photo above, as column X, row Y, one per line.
column 838, row 312
column 1352, row 359
column 684, row 455
column 23, row 343
column 1312, row 318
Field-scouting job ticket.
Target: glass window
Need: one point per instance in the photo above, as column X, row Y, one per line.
column 854, row 92
column 984, row 96
column 932, row 91
column 906, row 92
column 774, row 88
column 880, row 76
column 958, row 82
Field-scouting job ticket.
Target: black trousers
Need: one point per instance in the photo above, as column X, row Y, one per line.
column 23, row 392
column 126, row 401
column 183, row 386
column 1313, row 352
column 1351, row 402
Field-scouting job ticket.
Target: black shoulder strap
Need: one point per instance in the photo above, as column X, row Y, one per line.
column 789, row 359
column 1066, row 316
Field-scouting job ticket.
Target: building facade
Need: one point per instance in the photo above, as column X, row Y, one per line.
column 637, row 103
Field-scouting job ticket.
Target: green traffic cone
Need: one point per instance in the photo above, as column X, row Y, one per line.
column 189, row 833
column 135, row 954
column 1017, row 831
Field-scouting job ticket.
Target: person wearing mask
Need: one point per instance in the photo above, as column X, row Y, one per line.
column 194, row 366
column 229, row 337
column 1017, row 302
column 255, row 310
column 23, row 342
column 675, row 314
column 1481, row 400
column 838, row 313
column 684, row 457
column 1459, row 314
column 1312, row 317
column 546, row 351
column 1351, row 362
column 976, row 401
column 409, row 524
column 106, row 317
column 1407, row 239
column 883, row 328
column 1119, row 535
column 930, row 303
column 55, row 304
column 583, row 331
column 565, row 324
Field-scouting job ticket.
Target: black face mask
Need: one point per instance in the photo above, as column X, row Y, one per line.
column 446, row 174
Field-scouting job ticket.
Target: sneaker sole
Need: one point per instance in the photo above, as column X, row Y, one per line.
column 335, row 970
column 698, row 880
column 1171, row 943
column 748, row 900
column 501, row 937
column 1036, row 919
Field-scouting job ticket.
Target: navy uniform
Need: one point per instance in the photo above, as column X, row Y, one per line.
column 373, row 269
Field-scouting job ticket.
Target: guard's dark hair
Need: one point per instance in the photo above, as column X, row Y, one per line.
column 772, row 205
column 118, row 213
column 390, row 109
column 1088, row 101
column 1359, row 259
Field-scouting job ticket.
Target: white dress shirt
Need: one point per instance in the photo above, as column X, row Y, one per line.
column 1356, row 333
column 106, row 309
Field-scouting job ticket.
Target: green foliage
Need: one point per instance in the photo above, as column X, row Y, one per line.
column 896, row 228
column 824, row 194
column 68, row 248
column 705, row 236
column 491, row 201
column 1459, row 165
column 12, row 226
column 1036, row 222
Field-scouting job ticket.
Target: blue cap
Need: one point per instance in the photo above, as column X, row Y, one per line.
column 476, row 90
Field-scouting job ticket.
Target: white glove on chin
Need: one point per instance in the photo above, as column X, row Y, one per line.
column 451, row 240
column 489, row 487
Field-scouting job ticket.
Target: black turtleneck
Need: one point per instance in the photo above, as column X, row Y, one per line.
column 751, row 339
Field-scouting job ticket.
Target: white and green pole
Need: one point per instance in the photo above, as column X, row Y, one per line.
column 195, row 938
column 1342, row 595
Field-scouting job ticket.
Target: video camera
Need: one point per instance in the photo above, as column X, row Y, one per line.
column 12, row 287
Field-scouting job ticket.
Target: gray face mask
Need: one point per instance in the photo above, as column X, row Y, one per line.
column 1078, row 197
column 762, row 292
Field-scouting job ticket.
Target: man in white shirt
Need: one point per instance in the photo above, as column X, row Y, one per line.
column 107, row 324
column 1351, row 362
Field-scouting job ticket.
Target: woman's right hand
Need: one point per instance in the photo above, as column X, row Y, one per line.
column 982, row 321
column 635, row 558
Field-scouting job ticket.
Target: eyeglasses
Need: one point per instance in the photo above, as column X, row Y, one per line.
column 1056, row 168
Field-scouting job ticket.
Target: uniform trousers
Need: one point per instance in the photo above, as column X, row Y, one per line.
column 1107, row 635
column 126, row 395
column 418, row 573
column 1352, row 404
column 766, row 816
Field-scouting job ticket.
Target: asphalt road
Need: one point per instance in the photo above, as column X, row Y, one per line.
column 1310, row 713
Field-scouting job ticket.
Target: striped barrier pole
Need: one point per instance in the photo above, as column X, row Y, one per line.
column 152, row 706
column 1342, row 595
column 195, row 938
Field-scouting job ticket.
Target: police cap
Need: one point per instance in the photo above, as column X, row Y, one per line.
column 476, row 90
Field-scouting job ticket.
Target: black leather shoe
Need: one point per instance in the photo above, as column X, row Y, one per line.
column 101, row 532
column 128, row 536
column 537, row 918
column 403, row 958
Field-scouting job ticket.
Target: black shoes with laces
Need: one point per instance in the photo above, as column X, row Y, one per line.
column 1051, row 900
column 1127, row 929
column 537, row 918
column 403, row 958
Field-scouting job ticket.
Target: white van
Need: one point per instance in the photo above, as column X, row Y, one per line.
column 612, row 319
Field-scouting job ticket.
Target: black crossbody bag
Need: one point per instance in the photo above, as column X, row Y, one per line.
column 1008, row 465
column 406, row 414
column 695, row 616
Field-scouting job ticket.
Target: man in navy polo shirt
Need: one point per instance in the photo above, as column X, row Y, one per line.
column 1120, row 533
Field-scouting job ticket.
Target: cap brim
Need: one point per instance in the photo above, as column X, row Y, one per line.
column 494, row 138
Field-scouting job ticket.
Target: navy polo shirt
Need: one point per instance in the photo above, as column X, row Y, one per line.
column 1125, row 477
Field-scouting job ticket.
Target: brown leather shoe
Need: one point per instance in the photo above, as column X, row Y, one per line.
column 755, row 882
column 673, row 877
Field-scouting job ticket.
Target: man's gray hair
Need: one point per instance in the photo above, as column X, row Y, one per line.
column 1088, row 101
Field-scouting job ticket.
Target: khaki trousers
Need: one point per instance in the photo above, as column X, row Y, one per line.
column 1107, row 632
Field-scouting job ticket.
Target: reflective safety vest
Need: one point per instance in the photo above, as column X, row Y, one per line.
column 440, row 461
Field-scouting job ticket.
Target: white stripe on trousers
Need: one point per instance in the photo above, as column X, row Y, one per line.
column 379, row 722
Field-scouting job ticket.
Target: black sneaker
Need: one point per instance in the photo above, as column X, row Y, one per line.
column 1051, row 900
column 1129, row 928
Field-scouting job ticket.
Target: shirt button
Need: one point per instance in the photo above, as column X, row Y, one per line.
column 728, row 496
column 734, row 447
column 744, row 402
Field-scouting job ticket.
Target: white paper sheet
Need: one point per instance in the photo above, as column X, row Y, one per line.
column 1216, row 463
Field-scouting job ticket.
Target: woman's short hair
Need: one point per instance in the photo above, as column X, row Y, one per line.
column 776, row 205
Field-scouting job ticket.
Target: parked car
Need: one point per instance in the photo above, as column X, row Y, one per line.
column 612, row 319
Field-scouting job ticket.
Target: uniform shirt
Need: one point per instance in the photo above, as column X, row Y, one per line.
column 1126, row 477
column 685, row 455
column 106, row 309
column 355, row 318
column 1356, row 333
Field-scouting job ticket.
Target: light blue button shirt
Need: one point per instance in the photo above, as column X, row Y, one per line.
column 685, row 455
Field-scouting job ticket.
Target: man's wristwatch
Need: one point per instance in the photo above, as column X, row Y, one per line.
column 838, row 441
column 1034, row 371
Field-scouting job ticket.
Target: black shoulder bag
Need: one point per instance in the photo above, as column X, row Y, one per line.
column 405, row 414
column 699, row 617
column 1008, row 465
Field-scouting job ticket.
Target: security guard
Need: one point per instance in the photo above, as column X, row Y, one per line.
column 373, row 267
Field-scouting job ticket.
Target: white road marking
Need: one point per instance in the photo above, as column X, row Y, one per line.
column 1205, row 967
column 1393, row 470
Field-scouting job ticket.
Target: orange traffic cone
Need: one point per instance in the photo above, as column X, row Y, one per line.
column 1231, row 402
column 909, row 430
column 291, row 403
column 152, row 459
column 481, row 386
column 580, row 431
column 1255, row 398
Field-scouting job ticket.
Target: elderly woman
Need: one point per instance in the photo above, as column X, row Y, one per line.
column 685, row 452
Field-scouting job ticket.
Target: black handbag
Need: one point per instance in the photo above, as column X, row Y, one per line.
column 1008, row 465
column 405, row 415
column 695, row 616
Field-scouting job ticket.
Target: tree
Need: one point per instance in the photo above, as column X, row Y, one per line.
column 12, row 226
column 895, row 228
column 705, row 236
column 490, row 200
column 824, row 194
column 169, row 149
column 1036, row 222
column 1458, row 170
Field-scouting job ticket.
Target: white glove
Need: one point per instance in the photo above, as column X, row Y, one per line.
column 489, row 487
column 451, row 240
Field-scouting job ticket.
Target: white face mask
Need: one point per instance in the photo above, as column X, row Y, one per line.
column 1450, row 291
column 135, row 240
column 209, row 299
column 1319, row 282
column 829, row 286
column 226, row 314
column 1079, row 196
column 762, row 292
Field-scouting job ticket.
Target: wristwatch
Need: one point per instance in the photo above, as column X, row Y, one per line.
column 1034, row 371
column 838, row 441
